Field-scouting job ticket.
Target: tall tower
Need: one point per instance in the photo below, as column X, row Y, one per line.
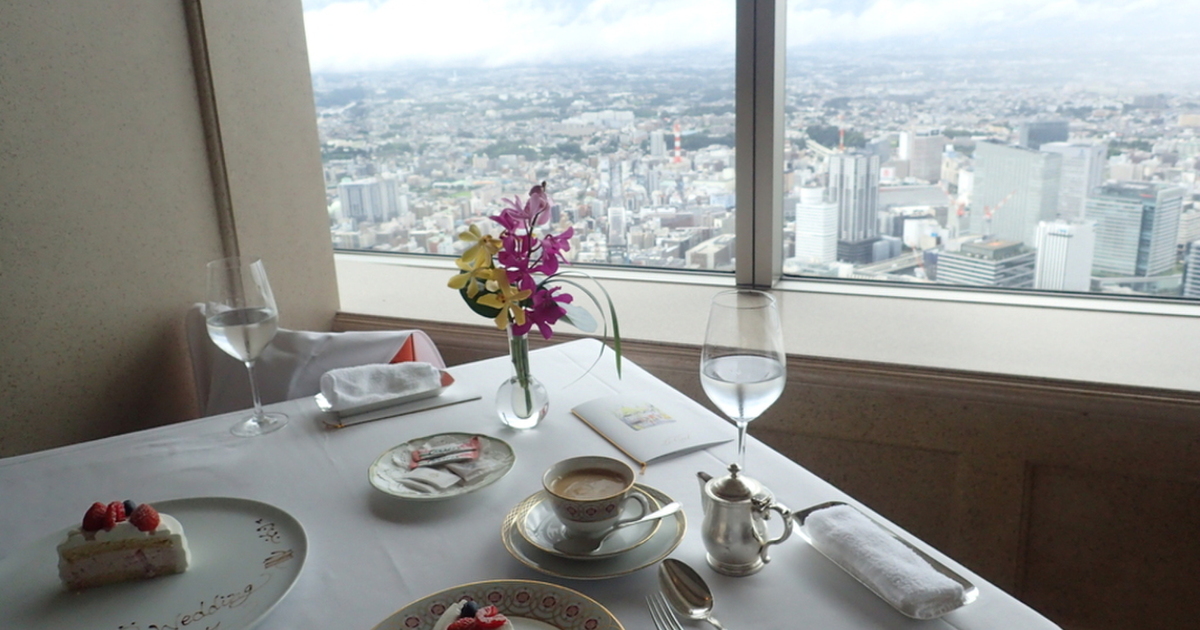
column 1082, row 171
column 816, row 227
column 1137, row 224
column 678, row 143
column 854, row 187
column 1015, row 188
column 1064, row 255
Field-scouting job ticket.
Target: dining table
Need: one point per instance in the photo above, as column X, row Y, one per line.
column 347, row 555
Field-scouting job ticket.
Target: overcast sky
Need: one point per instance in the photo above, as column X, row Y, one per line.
column 354, row 35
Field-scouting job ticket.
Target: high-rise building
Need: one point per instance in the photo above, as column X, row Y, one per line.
column 1082, row 171
column 362, row 200
column 988, row 264
column 658, row 144
column 1015, row 189
column 1189, row 226
column 923, row 150
column 816, row 227
column 854, row 187
column 1191, row 270
column 1033, row 134
column 1137, row 224
column 1064, row 255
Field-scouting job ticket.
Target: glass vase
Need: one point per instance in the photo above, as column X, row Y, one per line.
column 521, row 401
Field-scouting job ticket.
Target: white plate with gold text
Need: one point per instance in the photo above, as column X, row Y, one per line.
column 246, row 556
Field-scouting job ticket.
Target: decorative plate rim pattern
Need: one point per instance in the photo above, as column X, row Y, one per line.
column 384, row 459
column 539, row 497
column 599, row 569
column 559, row 606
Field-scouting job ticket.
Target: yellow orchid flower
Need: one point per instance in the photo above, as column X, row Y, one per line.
column 484, row 248
column 507, row 299
column 471, row 271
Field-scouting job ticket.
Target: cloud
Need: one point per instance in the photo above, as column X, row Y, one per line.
column 350, row 35
column 361, row 35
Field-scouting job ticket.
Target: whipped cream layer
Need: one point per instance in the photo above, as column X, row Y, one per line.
column 124, row 530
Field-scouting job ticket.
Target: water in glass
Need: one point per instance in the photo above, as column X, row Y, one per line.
column 242, row 320
column 742, row 364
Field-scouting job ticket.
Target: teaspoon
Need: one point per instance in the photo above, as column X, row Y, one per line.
column 687, row 591
column 582, row 546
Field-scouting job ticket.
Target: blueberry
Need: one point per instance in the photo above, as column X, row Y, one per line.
column 129, row 507
column 468, row 610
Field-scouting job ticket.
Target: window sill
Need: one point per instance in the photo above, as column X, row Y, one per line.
column 1134, row 343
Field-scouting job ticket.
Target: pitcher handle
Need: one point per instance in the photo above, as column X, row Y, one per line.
column 787, row 528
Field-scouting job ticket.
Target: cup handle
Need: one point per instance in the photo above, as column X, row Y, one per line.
column 641, row 500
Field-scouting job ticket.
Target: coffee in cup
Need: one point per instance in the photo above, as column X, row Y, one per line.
column 589, row 494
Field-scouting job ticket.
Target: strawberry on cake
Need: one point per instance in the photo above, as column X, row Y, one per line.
column 120, row 542
column 465, row 615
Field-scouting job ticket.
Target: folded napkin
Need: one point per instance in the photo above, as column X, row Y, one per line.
column 350, row 387
column 889, row 567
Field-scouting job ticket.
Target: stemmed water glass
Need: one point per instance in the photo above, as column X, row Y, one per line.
column 742, row 365
column 242, row 319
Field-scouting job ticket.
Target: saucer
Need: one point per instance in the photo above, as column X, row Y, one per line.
column 659, row 546
column 542, row 528
column 385, row 473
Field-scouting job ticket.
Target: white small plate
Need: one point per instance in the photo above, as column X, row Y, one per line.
column 246, row 556
column 529, row 605
column 385, row 472
column 543, row 529
column 660, row 545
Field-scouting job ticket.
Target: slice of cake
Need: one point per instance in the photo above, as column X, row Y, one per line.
column 465, row 615
column 119, row 542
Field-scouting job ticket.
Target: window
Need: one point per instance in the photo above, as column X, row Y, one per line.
column 626, row 111
column 993, row 146
column 878, row 308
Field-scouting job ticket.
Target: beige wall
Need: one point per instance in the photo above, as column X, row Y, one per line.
column 107, row 211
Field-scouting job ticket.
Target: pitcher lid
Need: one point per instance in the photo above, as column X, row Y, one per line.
column 735, row 486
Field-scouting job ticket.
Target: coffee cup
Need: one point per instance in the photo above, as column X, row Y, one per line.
column 589, row 494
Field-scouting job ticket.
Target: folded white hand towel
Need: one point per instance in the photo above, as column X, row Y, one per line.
column 874, row 556
column 347, row 388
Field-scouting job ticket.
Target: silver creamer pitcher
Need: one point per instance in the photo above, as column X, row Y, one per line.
column 734, row 528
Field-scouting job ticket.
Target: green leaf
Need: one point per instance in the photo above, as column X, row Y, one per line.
column 579, row 318
column 612, row 310
column 487, row 311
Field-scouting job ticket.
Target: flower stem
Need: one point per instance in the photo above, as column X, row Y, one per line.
column 518, row 350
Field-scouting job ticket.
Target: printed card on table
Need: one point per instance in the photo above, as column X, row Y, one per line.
column 647, row 431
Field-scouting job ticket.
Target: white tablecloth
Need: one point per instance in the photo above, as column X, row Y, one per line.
column 370, row 553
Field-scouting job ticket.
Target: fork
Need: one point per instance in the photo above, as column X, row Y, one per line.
column 660, row 611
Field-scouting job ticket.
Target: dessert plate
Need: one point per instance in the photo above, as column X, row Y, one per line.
column 387, row 472
column 529, row 605
column 246, row 556
column 542, row 528
column 659, row 546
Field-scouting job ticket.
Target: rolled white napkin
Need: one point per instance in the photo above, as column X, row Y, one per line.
column 893, row 570
column 351, row 387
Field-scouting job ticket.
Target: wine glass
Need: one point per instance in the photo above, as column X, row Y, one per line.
column 742, row 365
column 242, row 319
